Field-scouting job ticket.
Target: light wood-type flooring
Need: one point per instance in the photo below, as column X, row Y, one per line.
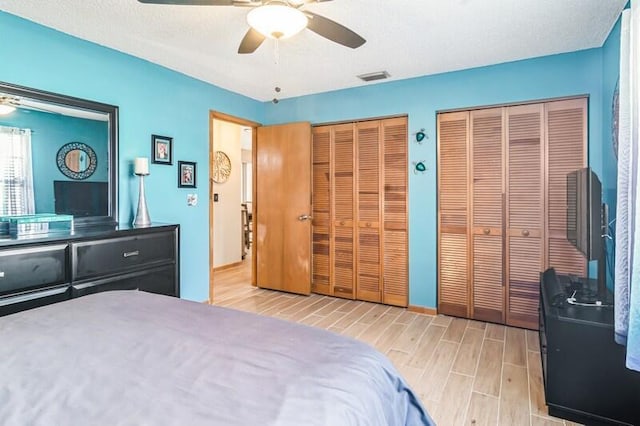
column 466, row 372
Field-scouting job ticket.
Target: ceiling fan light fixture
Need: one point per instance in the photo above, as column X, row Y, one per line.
column 277, row 21
column 6, row 109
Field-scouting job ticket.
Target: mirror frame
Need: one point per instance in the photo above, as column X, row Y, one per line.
column 112, row 112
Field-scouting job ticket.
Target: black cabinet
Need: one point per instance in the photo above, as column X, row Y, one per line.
column 41, row 271
column 585, row 377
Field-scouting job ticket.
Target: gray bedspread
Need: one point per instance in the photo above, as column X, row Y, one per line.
column 133, row 358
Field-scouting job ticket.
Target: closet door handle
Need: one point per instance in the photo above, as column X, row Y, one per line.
column 486, row 231
column 525, row 232
column 342, row 223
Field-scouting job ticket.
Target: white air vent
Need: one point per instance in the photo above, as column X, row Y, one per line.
column 373, row 76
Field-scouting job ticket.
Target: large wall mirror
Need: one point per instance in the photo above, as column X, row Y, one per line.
column 58, row 154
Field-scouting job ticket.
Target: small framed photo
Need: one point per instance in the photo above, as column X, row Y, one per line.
column 161, row 150
column 186, row 174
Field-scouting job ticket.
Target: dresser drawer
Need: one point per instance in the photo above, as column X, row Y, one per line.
column 26, row 268
column 160, row 280
column 119, row 255
column 12, row 304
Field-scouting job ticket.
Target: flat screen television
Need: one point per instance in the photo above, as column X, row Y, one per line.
column 81, row 199
column 584, row 212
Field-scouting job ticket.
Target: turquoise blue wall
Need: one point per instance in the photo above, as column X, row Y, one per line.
column 570, row 74
column 152, row 100
column 49, row 133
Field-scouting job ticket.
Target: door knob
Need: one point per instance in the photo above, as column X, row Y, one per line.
column 486, row 231
column 304, row 217
column 525, row 232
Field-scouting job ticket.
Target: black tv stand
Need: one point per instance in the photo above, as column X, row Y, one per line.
column 585, row 378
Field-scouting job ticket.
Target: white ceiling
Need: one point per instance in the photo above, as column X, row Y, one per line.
column 407, row 38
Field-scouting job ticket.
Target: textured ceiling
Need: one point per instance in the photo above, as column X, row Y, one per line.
column 407, row 38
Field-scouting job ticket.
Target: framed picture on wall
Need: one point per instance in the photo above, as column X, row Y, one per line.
column 186, row 174
column 161, row 150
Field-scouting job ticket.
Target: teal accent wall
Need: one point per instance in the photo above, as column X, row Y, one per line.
column 49, row 133
column 578, row 73
column 152, row 100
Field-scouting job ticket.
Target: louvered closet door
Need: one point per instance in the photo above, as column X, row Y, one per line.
column 453, row 217
column 368, row 211
column 321, row 222
column 343, row 256
column 487, row 173
column 395, row 243
column 525, row 208
column 566, row 123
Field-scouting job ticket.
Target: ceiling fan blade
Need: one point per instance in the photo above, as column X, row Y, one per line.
column 251, row 41
column 333, row 31
column 191, row 2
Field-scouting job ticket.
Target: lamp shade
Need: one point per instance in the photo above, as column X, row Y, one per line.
column 277, row 21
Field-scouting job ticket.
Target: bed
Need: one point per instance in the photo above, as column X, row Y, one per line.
column 135, row 358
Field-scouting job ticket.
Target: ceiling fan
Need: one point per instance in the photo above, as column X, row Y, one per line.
column 278, row 19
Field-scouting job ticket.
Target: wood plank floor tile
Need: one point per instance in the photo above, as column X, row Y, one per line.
column 354, row 315
column 477, row 324
column 514, row 396
column 536, row 388
column 408, row 340
column 374, row 313
column 407, row 317
column 466, row 361
column 442, row 320
column 426, row 346
column 495, row 331
column 453, row 405
column 374, row 330
column 545, row 421
column 455, row 331
column 437, row 370
column 489, row 375
column 515, row 347
column 533, row 340
column 389, row 336
column 483, row 410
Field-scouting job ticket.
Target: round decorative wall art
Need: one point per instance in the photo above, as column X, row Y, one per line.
column 76, row 160
column 221, row 167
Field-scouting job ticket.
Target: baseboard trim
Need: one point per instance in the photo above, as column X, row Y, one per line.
column 422, row 310
column 227, row 266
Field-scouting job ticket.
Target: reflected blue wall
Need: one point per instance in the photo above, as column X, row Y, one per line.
column 49, row 133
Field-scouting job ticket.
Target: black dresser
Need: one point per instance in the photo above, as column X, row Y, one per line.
column 37, row 271
column 585, row 378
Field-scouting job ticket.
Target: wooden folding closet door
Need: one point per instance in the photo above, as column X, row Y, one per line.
column 321, row 210
column 368, row 207
column 453, row 214
column 525, row 213
column 487, row 206
column 343, row 253
column 395, row 244
column 566, row 129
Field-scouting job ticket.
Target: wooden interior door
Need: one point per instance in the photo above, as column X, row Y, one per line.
column 321, row 203
column 283, row 214
column 369, row 249
column 395, row 283
column 343, row 255
column 453, row 213
column 525, row 213
column 487, row 205
column 566, row 129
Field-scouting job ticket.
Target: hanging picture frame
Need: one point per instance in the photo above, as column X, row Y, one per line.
column 161, row 150
column 186, row 174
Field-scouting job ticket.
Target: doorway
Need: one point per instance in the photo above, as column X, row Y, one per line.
column 231, row 195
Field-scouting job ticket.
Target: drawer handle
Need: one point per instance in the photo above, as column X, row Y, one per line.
column 131, row 253
column 525, row 232
column 486, row 231
column 1, row 274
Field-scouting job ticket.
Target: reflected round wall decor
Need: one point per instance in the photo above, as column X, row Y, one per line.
column 76, row 160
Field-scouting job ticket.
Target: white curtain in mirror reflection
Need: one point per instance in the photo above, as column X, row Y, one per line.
column 16, row 172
